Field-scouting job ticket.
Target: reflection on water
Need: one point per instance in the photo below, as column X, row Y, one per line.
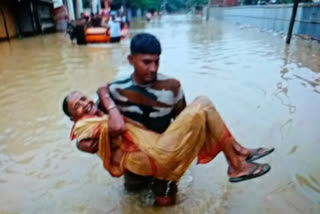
column 310, row 185
column 267, row 92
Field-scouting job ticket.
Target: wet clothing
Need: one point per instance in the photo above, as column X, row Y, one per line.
column 153, row 105
column 115, row 28
column 115, row 39
column 134, row 182
column 161, row 188
column 198, row 132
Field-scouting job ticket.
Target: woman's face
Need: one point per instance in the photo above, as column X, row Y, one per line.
column 80, row 105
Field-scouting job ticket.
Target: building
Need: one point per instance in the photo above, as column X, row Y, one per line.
column 25, row 17
column 7, row 22
column 74, row 8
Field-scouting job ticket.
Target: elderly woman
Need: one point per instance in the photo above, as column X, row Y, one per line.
column 197, row 132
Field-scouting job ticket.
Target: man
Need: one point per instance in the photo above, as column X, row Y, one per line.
column 115, row 28
column 154, row 100
column 154, row 106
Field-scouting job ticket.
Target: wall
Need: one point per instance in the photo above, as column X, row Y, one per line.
column 45, row 15
column 7, row 21
column 25, row 20
column 273, row 17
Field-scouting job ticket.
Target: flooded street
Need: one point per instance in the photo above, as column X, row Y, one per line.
column 267, row 93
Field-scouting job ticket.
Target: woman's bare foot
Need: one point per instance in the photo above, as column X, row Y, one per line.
column 241, row 150
column 243, row 169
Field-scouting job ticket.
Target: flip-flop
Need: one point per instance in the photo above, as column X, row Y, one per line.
column 266, row 168
column 255, row 154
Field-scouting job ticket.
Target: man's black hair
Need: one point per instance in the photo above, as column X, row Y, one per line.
column 145, row 43
column 65, row 106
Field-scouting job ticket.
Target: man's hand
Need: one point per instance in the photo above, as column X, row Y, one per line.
column 116, row 123
column 88, row 145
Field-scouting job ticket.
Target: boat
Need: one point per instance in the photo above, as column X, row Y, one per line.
column 97, row 35
column 84, row 35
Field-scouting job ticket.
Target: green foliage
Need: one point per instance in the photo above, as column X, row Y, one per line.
column 286, row 1
column 199, row 2
column 170, row 5
column 175, row 5
column 143, row 4
column 151, row 4
column 250, row 2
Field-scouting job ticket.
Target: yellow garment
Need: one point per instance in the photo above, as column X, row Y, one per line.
column 197, row 131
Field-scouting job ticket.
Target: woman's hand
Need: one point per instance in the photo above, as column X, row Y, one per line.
column 116, row 122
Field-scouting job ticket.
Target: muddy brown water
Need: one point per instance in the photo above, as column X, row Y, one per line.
column 268, row 94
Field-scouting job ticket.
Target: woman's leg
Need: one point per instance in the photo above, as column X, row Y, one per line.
column 198, row 131
column 234, row 152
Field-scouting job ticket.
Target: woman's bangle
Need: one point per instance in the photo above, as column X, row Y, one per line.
column 112, row 106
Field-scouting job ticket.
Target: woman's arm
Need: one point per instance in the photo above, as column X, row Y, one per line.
column 116, row 122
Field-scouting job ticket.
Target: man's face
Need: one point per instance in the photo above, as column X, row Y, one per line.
column 80, row 105
column 146, row 67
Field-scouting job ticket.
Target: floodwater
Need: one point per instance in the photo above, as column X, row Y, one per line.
column 268, row 94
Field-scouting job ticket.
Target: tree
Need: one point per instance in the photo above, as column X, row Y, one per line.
column 151, row 4
column 170, row 5
column 175, row 5
column 198, row 2
column 143, row 4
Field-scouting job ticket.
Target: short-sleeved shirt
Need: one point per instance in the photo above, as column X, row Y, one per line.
column 153, row 105
column 115, row 28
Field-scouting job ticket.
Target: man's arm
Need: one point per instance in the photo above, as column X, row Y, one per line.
column 180, row 102
column 179, row 106
column 116, row 122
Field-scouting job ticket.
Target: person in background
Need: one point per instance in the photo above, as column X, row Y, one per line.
column 148, row 16
column 114, row 25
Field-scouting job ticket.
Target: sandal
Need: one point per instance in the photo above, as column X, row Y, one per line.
column 255, row 154
column 266, row 168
